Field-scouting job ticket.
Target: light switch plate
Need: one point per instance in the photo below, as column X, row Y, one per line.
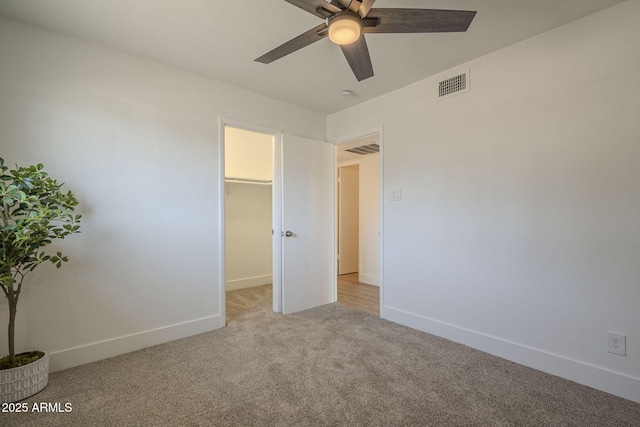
column 396, row 194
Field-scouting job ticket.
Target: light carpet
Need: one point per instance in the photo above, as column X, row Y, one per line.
column 328, row 366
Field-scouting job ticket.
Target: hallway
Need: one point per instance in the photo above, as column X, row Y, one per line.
column 360, row 296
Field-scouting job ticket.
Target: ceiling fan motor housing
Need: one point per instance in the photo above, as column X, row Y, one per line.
column 345, row 28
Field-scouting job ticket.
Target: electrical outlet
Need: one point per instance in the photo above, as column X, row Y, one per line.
column 617, row 343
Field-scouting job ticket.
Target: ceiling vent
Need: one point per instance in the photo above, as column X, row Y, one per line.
column 455, row 85
column 365, row 149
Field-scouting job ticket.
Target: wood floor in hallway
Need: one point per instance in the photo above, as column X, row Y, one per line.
column 352, row 293
column 360, row 296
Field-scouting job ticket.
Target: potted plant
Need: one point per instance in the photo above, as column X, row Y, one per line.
column 34, row 211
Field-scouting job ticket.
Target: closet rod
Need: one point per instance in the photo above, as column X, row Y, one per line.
column 248, row 181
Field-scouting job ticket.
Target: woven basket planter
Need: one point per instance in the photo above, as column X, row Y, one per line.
column 24, row 381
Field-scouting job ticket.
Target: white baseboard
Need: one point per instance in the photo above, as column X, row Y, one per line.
column 93, row 352
column 248, row 282
column 596, row 377
column 368, row 279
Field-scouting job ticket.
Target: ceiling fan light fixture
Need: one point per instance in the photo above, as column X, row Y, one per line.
column 345, row 29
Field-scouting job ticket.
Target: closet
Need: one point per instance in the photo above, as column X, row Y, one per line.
column 248, row 208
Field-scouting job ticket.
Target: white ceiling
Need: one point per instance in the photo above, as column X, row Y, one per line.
column 221, row 38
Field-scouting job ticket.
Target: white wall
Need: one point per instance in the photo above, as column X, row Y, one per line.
column 248, row 155
column 138, row 142
column 248, row 250
column 518, row 229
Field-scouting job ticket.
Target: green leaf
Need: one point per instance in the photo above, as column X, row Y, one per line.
column 28, row 184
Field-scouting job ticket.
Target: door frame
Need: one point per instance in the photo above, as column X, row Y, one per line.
column 343, row 140
column 276, row 214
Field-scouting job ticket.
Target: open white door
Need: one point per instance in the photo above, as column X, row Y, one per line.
column 308, row 224
column 348, row 219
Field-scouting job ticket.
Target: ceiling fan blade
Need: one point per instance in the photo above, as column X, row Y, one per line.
column 357, row 55
column 304, row 39
column 342, row 4
column 320, row 8
column 419, row 20
column 365, row 7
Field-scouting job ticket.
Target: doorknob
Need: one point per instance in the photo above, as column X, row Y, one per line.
column 288, row 233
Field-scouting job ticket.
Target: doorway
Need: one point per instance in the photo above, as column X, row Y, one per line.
column 359, row 214
column 248, row 220
column 303, row 208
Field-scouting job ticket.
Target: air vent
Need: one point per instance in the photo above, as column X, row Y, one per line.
column 365, row 149
column 453, row 85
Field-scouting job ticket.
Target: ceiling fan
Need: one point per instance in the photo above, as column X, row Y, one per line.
column 346, row 22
